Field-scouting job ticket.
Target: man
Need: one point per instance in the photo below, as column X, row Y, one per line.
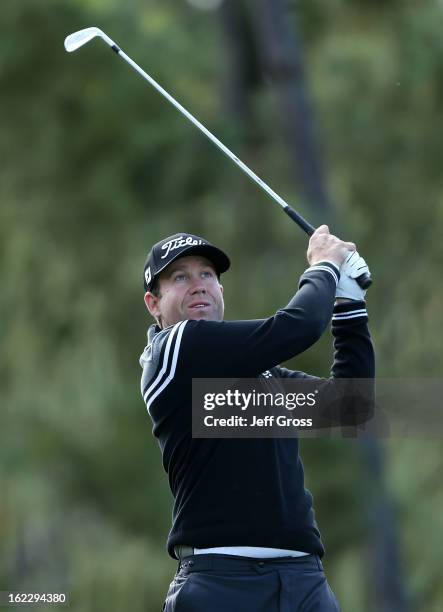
column 243, row 524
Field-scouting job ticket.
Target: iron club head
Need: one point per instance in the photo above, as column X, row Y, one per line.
column 77, row 39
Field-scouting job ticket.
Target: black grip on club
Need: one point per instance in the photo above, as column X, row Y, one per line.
column 364, row 280
column 306, row 227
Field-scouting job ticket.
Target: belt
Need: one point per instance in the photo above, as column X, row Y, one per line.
column 256, row 552
column 230, row 563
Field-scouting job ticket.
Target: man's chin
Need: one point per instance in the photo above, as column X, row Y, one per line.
column 203, row 314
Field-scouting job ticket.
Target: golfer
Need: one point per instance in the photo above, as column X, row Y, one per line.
column 243, row 531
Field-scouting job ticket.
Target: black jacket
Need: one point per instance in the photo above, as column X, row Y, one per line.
column 245, row 492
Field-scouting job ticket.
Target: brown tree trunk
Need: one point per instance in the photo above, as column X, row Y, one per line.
column 279, row 45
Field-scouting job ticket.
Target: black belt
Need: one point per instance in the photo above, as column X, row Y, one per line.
column 217, row 562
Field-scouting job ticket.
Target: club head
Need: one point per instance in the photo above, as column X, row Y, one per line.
column 78, row 39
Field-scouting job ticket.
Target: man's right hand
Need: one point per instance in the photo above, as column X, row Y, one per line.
column 324, row 246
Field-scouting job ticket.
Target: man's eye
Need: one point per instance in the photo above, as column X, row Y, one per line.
column 207, row 274
column 179, row 277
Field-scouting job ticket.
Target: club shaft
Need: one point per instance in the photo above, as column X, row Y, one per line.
column 364, row 280
column 307, row 227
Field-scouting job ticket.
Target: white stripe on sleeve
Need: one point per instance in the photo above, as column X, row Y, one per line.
column 353, row 314
column 325, row 268
column 150, row 394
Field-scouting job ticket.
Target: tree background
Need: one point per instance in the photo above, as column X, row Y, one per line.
column 96, row 166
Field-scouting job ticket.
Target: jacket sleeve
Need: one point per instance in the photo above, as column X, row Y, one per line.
column 348, row 403
column 353, row 350
column 247, row 348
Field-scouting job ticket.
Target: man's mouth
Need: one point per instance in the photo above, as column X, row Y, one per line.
column 197, row 305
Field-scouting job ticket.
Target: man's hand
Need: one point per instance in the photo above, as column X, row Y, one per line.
column 324, row 246
column 353, row 266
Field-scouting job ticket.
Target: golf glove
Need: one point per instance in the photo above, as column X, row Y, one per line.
column 352, row 267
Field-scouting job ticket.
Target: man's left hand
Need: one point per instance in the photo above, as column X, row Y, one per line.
column 352, row 267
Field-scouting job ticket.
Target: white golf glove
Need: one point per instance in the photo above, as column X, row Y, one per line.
column 352, row 267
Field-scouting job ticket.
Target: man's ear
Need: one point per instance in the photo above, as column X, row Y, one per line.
column 151, row 302
column 221, row 287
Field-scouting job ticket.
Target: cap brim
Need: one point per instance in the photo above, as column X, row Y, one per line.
column 216, row 256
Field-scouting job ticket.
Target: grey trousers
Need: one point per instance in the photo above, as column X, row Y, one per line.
column 227, row 583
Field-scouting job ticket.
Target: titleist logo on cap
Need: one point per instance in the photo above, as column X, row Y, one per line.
column 181, row 244
column 178, row 243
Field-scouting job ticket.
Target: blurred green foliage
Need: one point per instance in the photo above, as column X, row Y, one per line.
column 96, row 167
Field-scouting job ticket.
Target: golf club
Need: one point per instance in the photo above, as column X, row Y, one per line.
column 82, row 37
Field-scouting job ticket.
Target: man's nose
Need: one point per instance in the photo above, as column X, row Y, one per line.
column 198, row 286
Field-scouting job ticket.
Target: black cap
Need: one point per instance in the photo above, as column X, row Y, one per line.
column 179, row 245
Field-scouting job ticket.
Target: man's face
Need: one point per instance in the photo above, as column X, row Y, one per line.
column 189, row 289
